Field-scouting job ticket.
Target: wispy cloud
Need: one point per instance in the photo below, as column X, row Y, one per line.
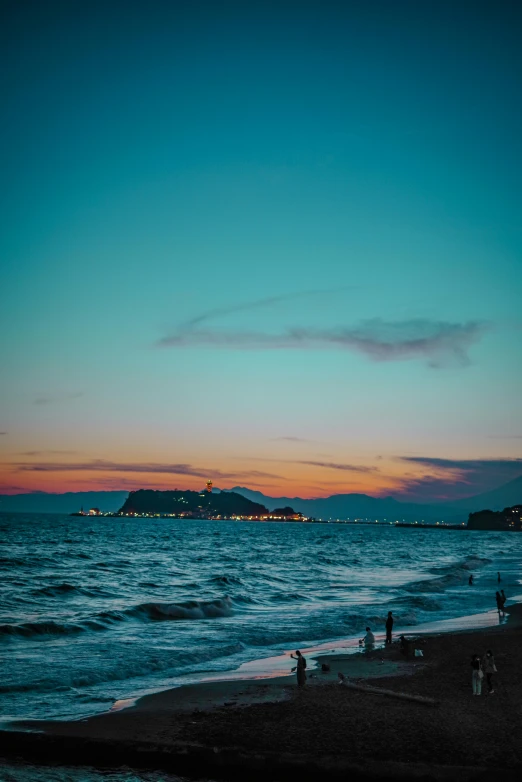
column 1, row 433
column 291, row 439
column 337, row 466
column 49, row 399
column 315, row 463
column 105, row 466
column 46, row 452
column 505, row 436
column 439, row 343
column 267, row 302
column 466, row 465
column 456, row 478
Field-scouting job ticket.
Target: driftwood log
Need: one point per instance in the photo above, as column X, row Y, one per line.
column 405, row 696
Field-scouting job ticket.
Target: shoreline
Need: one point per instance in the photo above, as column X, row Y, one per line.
column 270, row 729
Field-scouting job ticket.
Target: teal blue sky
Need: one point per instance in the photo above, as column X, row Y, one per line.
column 278, row 244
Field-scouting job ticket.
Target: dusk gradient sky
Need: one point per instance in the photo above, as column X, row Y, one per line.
column 278, row 245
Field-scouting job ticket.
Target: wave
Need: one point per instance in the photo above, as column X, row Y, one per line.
column 71, row 680
column 39, row 629
column 15, row 561
column 448, row 575
column 191, row 609
column 65, row 589
column 60, row 589
column 228, row 580
column 287, row 597
column 418, row 601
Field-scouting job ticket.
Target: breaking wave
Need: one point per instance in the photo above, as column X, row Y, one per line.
column 447, row 576
column 39, row 629
column 191, row 609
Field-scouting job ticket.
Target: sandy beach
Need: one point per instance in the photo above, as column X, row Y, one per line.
column 270, row 729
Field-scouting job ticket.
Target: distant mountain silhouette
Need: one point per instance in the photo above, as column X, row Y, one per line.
column 41, row 502
column 339, row 506
column 354, row 506
column 497, row 499
column 342, row 506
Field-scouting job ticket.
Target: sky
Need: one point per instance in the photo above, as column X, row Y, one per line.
column 277, row 245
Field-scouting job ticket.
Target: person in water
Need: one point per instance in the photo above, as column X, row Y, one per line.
column 500, row 604
column 476, row 675
column 498, row 578
column 300, row 668
column 470, row 581
column 389, row 627
column 489, row 668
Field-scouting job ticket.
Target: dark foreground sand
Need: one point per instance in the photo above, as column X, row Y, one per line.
column 270, row 730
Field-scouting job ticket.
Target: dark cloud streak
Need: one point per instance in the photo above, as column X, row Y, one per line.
column 291, row 439
column 221, row 312
column 101, row 465
column 439, row 343
column 453, row 479
column 337, row 466
column 53, row 398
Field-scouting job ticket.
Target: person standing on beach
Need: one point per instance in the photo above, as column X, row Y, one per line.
column 300, row 667
column 500, row 604
column 489, row 668
column 504, row 598
column 389, row 627
column 476, row 675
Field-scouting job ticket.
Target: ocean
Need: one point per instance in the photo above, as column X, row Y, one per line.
column 97, row 610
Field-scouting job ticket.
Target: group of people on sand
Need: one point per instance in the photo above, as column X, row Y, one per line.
column 480, row 668
column 368, row 641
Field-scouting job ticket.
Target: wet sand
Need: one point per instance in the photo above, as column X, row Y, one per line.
column 270, row 729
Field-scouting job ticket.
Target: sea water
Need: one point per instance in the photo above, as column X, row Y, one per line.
column 98, row 610
column 22, row 772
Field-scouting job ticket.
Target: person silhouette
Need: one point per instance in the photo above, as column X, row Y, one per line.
column 470, row 580
column 300, row 667
column 368, row 640
column 389, row 627
column 477, row 675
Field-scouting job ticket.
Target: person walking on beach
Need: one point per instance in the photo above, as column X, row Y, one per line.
column 405, row 645
column 300, row 667
column 500, row 604
column 476, row 675
column 389, row 627
column 489, row 668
